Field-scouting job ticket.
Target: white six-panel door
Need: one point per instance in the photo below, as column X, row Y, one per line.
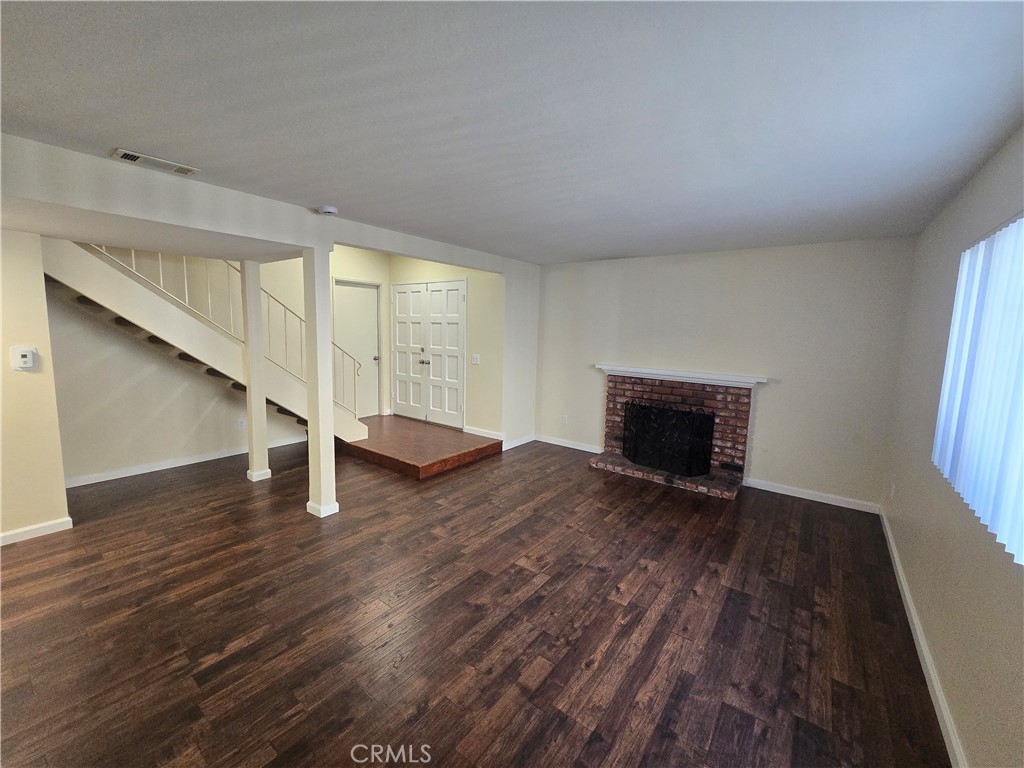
column 429, row 345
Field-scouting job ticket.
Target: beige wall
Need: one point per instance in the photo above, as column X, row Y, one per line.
column 360, row 265
column 127, row 406
column 485, row 331
column 966, row 590
column 820, row 321
column 32, row 491
column 283, row 281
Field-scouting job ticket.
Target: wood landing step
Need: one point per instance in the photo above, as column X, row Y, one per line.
column 416, row 449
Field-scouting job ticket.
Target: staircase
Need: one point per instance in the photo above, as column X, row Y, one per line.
column 192, row 308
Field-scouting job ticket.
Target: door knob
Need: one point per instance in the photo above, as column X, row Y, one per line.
column 376, row 358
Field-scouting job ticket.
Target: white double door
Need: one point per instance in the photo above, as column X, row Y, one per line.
column 429, row 343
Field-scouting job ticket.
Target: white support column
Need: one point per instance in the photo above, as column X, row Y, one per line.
column 255, row 388
column 316, row 274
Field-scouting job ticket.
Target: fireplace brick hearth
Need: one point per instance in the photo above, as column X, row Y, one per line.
column 731, row 408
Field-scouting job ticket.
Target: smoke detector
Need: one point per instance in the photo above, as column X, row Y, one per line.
column 327, row 210
column 154, row 163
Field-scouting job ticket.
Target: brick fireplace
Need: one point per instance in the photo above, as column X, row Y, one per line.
column 728, row 398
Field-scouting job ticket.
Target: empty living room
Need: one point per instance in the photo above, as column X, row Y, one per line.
column 512, row 384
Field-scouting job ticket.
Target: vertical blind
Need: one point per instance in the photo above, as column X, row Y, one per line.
column 979, row 446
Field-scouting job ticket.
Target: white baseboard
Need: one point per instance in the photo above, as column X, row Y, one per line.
column 39, row 529
column 318, row 510
column 931, row 674
column 156, row 466
column 259, row 474
column 803, row 493
column 569, row 444
column 386, row 412
column 508, row 445
column 484, row 433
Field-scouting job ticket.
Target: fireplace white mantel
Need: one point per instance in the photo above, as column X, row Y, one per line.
column 718, row 379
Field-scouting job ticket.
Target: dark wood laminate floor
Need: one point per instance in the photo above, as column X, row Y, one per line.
column 417, row 449
column 523, row 611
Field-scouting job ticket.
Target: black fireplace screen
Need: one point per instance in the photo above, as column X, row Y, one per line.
column 666, row 438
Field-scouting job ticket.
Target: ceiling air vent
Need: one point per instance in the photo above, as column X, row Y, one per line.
column 155, row 163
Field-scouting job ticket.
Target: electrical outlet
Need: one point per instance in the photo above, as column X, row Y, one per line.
column 565, row 419
column 241, row 424
column 476, row 359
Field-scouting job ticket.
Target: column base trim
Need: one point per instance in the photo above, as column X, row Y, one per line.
column 508, row 445
column 321, row 510
column 259, row 474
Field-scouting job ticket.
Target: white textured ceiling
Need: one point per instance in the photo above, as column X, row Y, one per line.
column 542, row 131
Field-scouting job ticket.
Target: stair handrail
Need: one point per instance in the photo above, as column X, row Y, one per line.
column 266, row 298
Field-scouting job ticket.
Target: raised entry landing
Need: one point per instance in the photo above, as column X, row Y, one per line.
column 416, row 449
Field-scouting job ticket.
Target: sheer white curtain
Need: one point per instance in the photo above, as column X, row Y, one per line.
column 979, row 446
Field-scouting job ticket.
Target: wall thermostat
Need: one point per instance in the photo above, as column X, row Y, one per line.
column 24, row 358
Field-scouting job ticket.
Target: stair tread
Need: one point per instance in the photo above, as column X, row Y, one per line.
column 157, row 340
column 216, row 374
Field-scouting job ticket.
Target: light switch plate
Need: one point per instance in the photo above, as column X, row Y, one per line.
column 476, row 359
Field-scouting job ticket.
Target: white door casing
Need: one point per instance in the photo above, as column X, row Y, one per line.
column 356, row 330
column 429, row 351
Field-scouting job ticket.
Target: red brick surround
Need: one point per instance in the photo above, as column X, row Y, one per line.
column 731, row 406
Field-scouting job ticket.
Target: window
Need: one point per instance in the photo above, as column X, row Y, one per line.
column 979, row 446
